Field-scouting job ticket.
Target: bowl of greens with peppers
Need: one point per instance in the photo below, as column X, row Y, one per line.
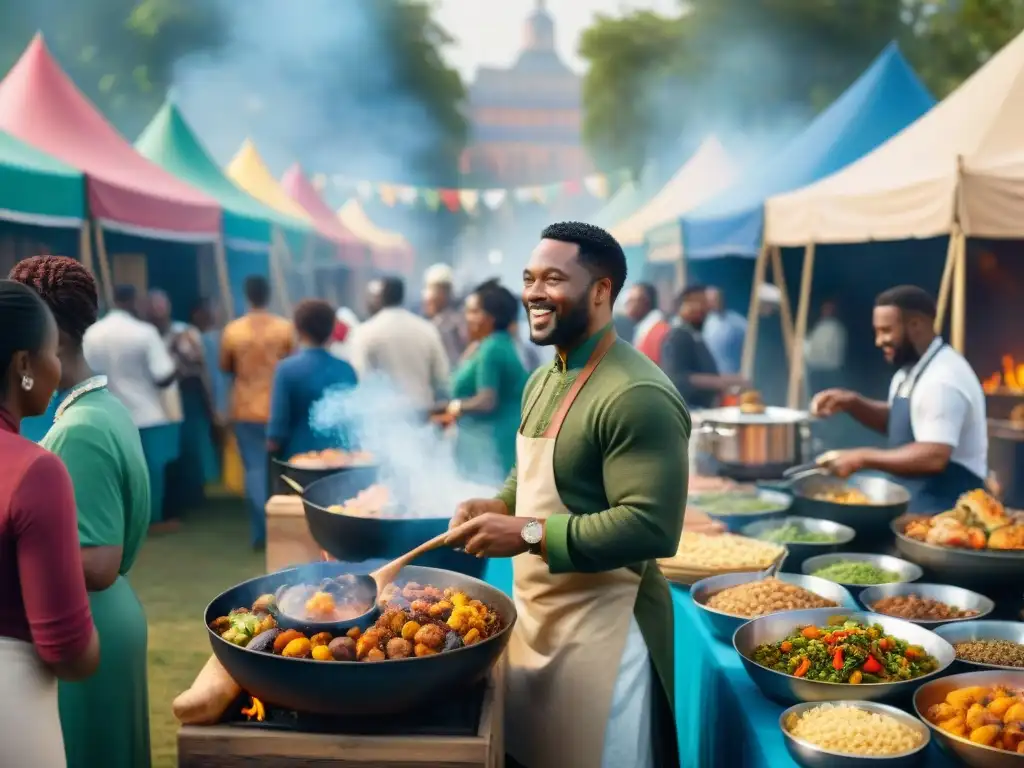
column 822, row 655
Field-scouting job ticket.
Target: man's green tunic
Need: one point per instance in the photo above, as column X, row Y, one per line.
column 621, row 468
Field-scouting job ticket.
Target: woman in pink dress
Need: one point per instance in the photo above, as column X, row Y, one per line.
column 46, row 629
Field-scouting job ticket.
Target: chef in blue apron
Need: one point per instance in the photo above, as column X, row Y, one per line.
column 935, row 414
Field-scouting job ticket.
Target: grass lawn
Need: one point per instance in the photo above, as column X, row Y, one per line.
column 176, row 575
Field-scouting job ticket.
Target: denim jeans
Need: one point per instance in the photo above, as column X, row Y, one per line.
column 252, row 447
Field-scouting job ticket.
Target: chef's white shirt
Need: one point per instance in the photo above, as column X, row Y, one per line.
column 947, row 405
column 134, row 358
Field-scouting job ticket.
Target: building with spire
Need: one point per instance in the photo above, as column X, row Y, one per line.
column 525, row 120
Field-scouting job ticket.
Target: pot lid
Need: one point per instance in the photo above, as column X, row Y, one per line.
column 733, row 415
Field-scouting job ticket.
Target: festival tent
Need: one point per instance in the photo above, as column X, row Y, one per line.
column 41, row 106
column 171, row 143
column 957, row 171
column 38, row 189
column 249, row 171
column 394, row 251
column 960, row 163
column 708, row 171
column 887, row 97
column 301, row 190
column 627, row 199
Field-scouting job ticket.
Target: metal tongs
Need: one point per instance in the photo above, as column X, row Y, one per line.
column 820, row 466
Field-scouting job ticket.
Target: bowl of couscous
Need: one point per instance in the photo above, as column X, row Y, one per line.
column 849, row 734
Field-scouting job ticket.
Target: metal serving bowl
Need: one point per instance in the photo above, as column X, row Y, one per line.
column 907, row 571
column 957, row 597
column 973, row 567
column 870, row 521
column 353, row 688
column 982, row 630
column 967, row 752
column 724, row 625
column 801, row 550
column 810, row 756
column 353, row 539
column 734, row 521
column 787, row 689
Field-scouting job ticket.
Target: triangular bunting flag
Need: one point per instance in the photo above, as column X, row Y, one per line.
column 408, row 195
column 525, row 194
column 450, row 198
column 597, row 185
column 494, row 198
column 364, row 189
column 431, row 198
column 469, row 199
column 388, row 195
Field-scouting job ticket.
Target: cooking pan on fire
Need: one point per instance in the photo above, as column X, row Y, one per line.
column 304, row 474
column 351, row 687
column 353, row 539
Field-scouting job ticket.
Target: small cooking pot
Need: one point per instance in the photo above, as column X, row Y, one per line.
column 755, row 445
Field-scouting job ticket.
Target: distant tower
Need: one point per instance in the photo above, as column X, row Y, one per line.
column 525, row 120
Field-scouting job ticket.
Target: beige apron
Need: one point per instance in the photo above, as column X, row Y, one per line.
column 578, row 693
column 30, row 733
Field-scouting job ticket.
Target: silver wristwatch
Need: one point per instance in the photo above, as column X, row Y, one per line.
column 533, row 535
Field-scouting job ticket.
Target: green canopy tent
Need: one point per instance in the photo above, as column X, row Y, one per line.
column 254, row 234
column 41, row 191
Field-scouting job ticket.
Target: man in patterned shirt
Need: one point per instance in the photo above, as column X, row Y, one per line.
column 250, row 350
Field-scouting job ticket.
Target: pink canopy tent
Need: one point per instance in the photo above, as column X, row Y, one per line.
column 298, row 187
column 41, row 105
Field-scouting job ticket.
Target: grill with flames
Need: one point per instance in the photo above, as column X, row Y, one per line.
column 1009, row 382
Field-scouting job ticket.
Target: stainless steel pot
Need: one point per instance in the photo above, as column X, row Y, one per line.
column 772, row 441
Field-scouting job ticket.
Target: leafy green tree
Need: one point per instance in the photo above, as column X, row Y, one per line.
column 121, row 53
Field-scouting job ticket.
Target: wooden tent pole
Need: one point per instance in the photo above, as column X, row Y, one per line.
column 85, row 247
column 221, row 259
column 959, row 331
column 796, row 365
column 754, row 314
column 785, row 309
column 310, row 269
column 278, row 248
column 106, row 274
column 947, row 279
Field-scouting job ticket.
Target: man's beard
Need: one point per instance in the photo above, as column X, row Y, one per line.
column 905, row 354
column 565, row 329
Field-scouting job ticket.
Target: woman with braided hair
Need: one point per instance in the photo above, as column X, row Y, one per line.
column 106, row 718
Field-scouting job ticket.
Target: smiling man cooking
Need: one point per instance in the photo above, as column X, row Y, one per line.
column 935, row 414
column 597, row 495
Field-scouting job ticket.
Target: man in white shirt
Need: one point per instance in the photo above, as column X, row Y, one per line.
column 139, row 368
column 935, row 414
column 404, row 347
column 825, row 346
column 724, row 332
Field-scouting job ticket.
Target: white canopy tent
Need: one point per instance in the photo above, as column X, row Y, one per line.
column 708, row 171
column 957, row 171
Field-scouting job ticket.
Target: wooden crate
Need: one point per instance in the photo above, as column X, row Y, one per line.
column 289, row 541
column 223, row 746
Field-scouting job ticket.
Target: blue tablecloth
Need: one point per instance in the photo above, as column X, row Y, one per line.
column 721, row 717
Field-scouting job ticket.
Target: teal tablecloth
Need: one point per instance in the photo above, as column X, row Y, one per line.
column 721, row 717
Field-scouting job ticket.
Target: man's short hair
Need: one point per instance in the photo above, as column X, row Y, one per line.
column 908, row 299
column 257, row 291
column 650, row 293
column 392, row 291
column 600, row 253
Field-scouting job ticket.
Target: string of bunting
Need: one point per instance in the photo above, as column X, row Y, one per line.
column 470, row 200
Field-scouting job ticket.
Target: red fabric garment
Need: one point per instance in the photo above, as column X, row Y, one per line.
column 42, row 585
column 340, row 331
column 650, row 344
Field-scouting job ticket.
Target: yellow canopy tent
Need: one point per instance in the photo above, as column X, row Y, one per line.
column 390, row 249
column 248, row 170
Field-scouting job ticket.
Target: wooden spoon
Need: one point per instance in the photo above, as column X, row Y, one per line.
column 387, row 572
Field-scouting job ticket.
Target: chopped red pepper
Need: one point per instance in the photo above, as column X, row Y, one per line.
column 872, row 666
column 803, row 668
column 837, row 659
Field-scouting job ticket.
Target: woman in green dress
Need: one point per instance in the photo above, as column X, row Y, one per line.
column 105, row 719
column 487, row 388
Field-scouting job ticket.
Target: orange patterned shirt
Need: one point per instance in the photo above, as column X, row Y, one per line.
column 250, row 349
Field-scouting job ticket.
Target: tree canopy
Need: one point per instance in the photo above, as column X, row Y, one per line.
column 653, row 78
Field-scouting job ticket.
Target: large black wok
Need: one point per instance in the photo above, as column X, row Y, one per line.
column 870, row 521
column 354, row 539
column 352, row 687
column 304, row 476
